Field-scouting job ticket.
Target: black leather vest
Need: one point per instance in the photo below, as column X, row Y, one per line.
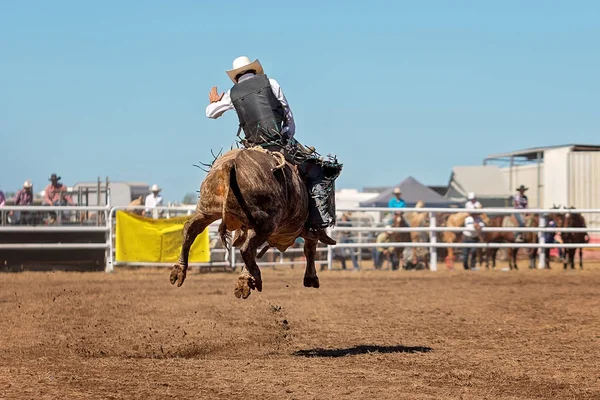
column 258, row 110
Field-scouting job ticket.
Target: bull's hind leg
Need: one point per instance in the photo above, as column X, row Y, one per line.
column 251, row 279
column 191, row 230
column 310, row 251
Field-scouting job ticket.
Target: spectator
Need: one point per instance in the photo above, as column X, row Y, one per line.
column 520, row 201
column 24, row 197
column 552, row 237
column 153, row 200
column 56, row 193
column 382, row 253
column 471, row 235
column 472, row 202
column 397, row 201
column 345, row 237
column 2, row 199
column 415, row 258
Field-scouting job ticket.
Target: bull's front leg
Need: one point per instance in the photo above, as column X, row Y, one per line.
column 310, row 251
column 191, row 230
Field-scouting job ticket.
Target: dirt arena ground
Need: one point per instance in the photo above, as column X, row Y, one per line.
column 457, row 334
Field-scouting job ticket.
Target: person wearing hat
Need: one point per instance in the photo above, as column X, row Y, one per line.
column 397, row 201
column 55, row 193
column 266, row 119
column 259, row 111
column 24, row 197
column 153, row 200
column 473, row 227
column 520, row 202
column 472, row 201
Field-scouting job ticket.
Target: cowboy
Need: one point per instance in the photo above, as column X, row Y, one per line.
column 472, row 202
column 267, row 120
column 24, row 197
column 55, row 193
column 520, row 202
column 397, row 201
column 153, row 200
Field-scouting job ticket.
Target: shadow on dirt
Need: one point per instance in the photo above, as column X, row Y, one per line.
column 362, row 349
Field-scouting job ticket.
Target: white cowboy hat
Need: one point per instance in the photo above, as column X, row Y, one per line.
column 471, row 196
column 27, row 184
column 242, row 64
column 155, row 188
column 397, row 191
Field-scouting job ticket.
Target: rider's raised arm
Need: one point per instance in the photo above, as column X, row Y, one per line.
column 216, row 109
column 289, row 116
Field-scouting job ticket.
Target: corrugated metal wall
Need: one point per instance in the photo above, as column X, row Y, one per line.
column 584, row 184
column 526, row 175
column 584, row 179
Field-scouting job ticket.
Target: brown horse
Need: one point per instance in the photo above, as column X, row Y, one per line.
column 400, row 222
column 531, row 220
column 574, row 220
column 497, row 237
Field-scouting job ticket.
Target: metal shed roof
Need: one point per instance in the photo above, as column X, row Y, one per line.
column 531, row 153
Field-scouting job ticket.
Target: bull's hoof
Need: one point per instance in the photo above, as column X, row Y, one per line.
column 242, row 289
column 245, row 285
column 311, row 281
column 178, row 274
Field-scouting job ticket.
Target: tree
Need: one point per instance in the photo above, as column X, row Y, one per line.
column 190, row 198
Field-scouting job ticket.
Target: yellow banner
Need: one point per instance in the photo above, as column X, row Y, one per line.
column 155, row 240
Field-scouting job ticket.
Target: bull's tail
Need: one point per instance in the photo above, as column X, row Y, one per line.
column 235, row 188
column 223, row 232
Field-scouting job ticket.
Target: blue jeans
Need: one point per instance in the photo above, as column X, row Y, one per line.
column 520, row 221
column 470, row 252
column 347, row 251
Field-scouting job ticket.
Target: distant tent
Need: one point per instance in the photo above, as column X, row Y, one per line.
column 413, row 191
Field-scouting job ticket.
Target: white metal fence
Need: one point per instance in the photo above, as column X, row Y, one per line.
column 104, row 221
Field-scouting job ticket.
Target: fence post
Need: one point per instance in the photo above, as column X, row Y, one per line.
column 109, row 256
column 232, row 257
column 432, row 240
column 542, row 240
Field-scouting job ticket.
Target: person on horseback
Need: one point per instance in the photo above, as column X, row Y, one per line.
column 267, row 121
column 520, row 202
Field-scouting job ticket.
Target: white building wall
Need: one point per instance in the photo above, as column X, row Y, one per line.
column 526, row 175
column 556, row 177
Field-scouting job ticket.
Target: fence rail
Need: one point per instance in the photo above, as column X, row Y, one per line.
column 108, row 226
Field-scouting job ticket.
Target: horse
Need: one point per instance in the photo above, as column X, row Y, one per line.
column 532, row 220
column 574, row 220
column 400, row 237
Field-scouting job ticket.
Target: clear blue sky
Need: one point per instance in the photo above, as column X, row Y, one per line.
column 393, row 88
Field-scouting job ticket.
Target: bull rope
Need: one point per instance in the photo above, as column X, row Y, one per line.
column 275, row 154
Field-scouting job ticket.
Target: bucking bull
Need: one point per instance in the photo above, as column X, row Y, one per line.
column 261, row 197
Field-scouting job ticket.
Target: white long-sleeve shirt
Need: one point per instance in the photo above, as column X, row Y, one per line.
column 470, row 225
column 215, row 110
